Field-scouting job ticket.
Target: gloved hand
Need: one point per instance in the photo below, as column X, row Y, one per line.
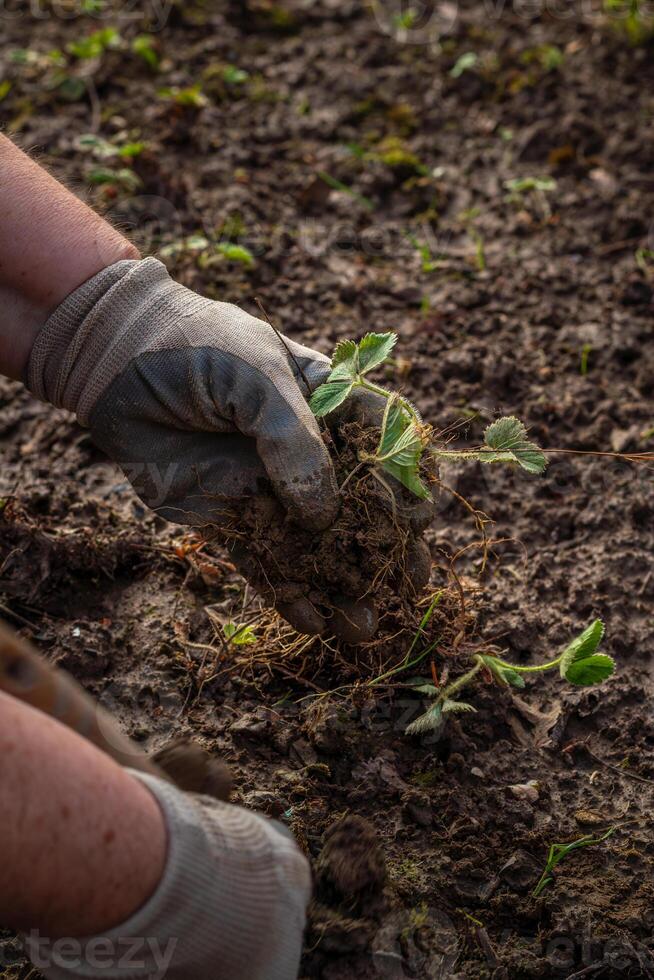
column 197, row 401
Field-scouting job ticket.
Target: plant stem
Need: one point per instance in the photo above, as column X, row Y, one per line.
column 404, row 665
column 378, row 390
column 462, row 681
column 407, row 662
column 285, row 345
column 528, row 670
column 351, row 474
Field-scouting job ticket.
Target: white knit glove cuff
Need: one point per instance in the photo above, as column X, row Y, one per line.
column 230, row 906
column 68, row 360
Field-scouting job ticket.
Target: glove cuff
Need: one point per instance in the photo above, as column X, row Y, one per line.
column 80, row 349
column 231, row 902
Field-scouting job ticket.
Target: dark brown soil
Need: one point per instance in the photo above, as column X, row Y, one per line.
column 532, row 305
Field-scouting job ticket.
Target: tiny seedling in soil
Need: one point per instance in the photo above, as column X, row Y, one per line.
column 95, row 44
column 239, row 634
column 338, row 185
column 145, row 46
column 632, row 17
column 463, row 64
column 579, row 664
column 190, row 97
column 558, row 852
column 586, row 351
column 538, row 187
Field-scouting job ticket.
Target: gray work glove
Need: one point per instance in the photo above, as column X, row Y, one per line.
column 197, row 401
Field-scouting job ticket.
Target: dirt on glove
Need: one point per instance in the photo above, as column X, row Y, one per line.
column 373, row 556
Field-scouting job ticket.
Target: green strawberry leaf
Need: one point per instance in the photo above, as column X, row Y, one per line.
column 329, row 396
column 239, row 635
column 394, row 424
column 431, row 721
column 427, row 688
column 583, row 646
column 400, row 448
column 455, row 707
column 408, row 477
column 506, row 441
column 345, row 361
column 590, row 670
column 374, row 348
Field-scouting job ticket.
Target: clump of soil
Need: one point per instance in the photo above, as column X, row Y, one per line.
column 373, row 553
column 350, row 878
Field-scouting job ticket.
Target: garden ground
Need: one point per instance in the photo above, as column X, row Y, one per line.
column 356, row 176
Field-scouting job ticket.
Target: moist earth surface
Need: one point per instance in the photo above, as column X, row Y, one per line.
column 354, row 172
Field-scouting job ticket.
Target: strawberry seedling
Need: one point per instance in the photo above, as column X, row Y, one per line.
column 558, row 852
column 579, row 664
column 404, row 438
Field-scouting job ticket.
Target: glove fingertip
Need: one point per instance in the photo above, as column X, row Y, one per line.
column 354, row 620
column 312, row 502
column 302, row 616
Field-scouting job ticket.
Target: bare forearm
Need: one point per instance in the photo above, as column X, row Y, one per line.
column 50, row 243
column 83, row 844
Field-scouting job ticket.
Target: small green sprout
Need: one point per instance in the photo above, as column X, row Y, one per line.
column 236, row 253
column 404, row 437
column 558, row 852
column 480, row 248
column 69, row 88
column 394, row 153
column 429, row 263
column 144, row 45
column 102, row 149
column 579, row 664
column 130, row 150
column 586, row 351
column 523, row 185
column 632, row 17
column 539, row 187
column 5, row 89
column 208, row 253
column 95, row 45
column 338, row 185
column 239, row 634
column 192, row 96
column 233, row 75
column 548, row 56
column 463, row 64
column 468, row 218
column 643, row 258
column 406, row 20
column 123, row 177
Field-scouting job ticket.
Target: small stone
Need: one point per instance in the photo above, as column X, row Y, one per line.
column 526, row 791
column 253, row 726
column 590, row 818
column 266, row 802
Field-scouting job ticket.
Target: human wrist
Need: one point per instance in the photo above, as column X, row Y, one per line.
column 50, row 243
column 26, row 315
